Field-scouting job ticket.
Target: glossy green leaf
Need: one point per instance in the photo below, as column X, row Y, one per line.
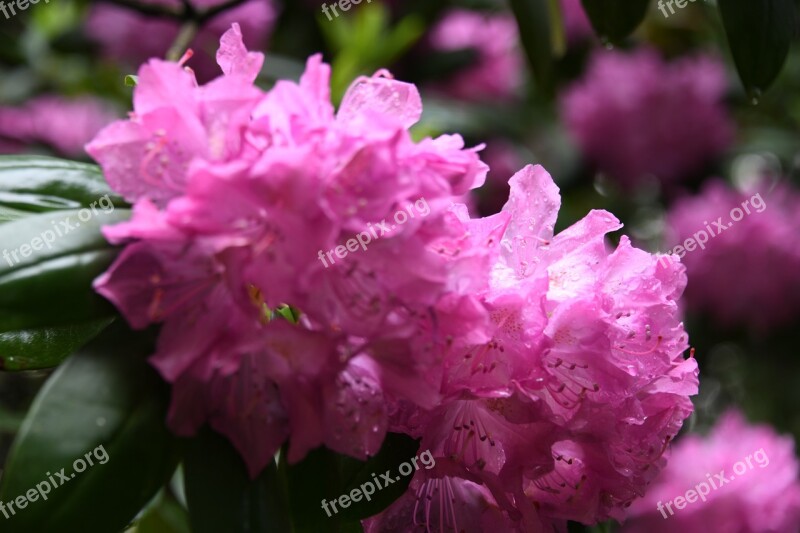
column 34, row 349
column 396, row 450
column 7, row 214
column 52, row 285
column 325, row 475
column 759, row 34
column 39, row 184
column 222, row 497
column 106, row 404
column 534, row 20
column 10, row 421
column 614, row 20
column 165, row 515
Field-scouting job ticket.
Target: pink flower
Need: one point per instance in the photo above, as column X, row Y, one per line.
column 498, row 70
column 564, row 405
column 245, row 201
column 119, row 31
column 634, row 115
column 758, row 491
column 64, row 125
column 453, row 505
column 576, row 23
column 746, row 274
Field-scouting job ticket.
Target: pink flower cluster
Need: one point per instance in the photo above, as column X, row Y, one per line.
column 633, row 115
column 545, row 372
column 747, row 273
column 120, row 30
column 764, row 497
column 495, row 39
column 65, row 125
column 563, row 403
column 236, row 190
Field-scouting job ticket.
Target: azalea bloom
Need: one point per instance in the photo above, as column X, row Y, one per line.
column 633, row 115
column 499, row 60
column 751, row 483
column 545, row 372
column 237, row 192
column 563, row 411
column 745, row 273
column 65, row 125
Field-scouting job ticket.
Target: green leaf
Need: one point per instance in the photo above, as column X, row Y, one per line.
column 759, row 34
column 365, row 41
column 221, row 495
column 325, row 475
column 39, row 184
column 614, row 20
column 396, row 450
column 8, row 214
column 558, row 33
column 10, row 422
column 52, row 285
column 35, row 349
column 534, row 19
column 131, row 80
column 288, row 313
column 106, row 404
column 165, row 515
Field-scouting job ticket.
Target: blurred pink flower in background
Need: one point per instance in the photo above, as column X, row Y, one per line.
column 133, row 38
column 764, row 498
column 747, row 273
column 576, row 23
column 499, row 67
column 63, row 124
column 633, row 114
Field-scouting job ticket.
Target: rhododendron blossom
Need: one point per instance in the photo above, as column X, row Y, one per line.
column 495, row 41
column 545, row 372
column 63, row 124
column 565, row 410
column 746, row 245
column 634, row 115
column 762, row 496
column 235, row 192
